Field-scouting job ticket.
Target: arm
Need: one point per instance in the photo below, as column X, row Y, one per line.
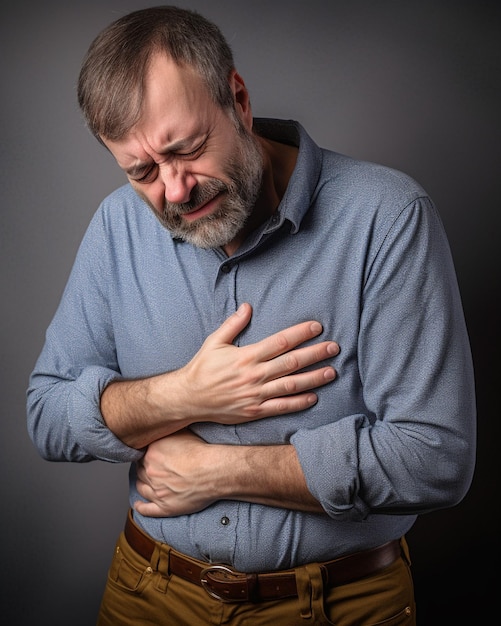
column 223, row 383
column 412, row 450
column 182, row 474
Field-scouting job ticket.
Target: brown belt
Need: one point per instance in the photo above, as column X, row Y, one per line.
column 227, row 585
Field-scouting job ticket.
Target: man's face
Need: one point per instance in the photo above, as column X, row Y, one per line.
column 198, row 167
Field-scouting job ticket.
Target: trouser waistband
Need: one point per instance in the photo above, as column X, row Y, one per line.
column 228, row 585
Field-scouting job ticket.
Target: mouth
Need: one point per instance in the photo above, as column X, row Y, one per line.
column 205, row 209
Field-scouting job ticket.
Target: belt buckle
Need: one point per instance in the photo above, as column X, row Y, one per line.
column 214, row 594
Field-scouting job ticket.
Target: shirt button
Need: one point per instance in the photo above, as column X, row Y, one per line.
column 226, row 269
column 225, row 520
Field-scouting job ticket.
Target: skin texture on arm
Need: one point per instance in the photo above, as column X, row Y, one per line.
column 223, row 383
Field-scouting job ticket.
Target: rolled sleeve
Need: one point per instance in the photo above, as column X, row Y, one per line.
column 86, row 420
column 339, row 494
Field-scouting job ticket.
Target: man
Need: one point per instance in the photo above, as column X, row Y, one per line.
column 270, row 333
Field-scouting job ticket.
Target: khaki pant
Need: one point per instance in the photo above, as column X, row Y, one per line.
column 138, row 594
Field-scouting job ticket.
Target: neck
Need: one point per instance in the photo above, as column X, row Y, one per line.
column 279, row 162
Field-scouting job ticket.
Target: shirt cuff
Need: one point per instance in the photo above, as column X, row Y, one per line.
column 86, row 420
column 329, row 459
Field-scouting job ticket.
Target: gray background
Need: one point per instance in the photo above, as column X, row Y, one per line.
column 414, row 85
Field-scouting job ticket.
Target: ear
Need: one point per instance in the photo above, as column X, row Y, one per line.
column 242, row 99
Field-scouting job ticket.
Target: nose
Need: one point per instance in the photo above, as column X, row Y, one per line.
column 178, row 183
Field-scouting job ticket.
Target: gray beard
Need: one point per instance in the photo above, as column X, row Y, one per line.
column 222, row 226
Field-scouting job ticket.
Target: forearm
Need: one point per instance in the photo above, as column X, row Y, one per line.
column 136, row 411
column 269, row 475
column 182, row 474
column 222, row 383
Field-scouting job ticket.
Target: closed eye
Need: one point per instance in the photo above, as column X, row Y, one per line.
column 147, row 177
column 192, row 154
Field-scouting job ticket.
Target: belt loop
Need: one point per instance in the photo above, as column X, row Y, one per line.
column 404, row 548
column 303, row 584
column 252, row 587
column 310, row 591
column 160, row 564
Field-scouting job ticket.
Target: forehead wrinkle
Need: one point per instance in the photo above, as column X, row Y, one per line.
column 161, row 144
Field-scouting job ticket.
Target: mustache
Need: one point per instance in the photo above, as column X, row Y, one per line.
column 199, row 196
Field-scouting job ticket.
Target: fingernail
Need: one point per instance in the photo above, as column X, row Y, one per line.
column 333, row 348
column 312, row 399
column 316, row 327
column 329, row 374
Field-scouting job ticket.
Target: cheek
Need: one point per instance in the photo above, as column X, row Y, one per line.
column 152, row 194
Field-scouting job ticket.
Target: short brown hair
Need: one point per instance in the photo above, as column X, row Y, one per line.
column 110, row 85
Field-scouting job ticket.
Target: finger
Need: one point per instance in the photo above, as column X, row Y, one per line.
column 295, row 384
column 233, row 325
column 148, row 509
column 144, row 489
column 141, row 474
column 287, row 405
column 285, row 340
column 293, row 393
column 300, row 358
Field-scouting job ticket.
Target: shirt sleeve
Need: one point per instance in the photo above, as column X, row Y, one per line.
column 413, row 450
column 77, row 361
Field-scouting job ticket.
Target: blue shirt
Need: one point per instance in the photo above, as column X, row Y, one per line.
column 354, row 245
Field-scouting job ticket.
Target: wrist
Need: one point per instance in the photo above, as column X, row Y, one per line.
column 168, row 402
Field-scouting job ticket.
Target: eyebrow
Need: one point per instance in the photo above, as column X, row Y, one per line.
column 140, row 167
column 135, row 171
column 182, row 143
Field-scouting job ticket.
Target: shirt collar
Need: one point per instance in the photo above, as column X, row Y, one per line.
column 303, row 182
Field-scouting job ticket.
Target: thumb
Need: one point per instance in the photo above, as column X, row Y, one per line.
column 234, row 324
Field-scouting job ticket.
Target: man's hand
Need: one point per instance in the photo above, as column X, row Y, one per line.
column 223, row 383
column 181, row 474
column 173, row 477
column 227, row 384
